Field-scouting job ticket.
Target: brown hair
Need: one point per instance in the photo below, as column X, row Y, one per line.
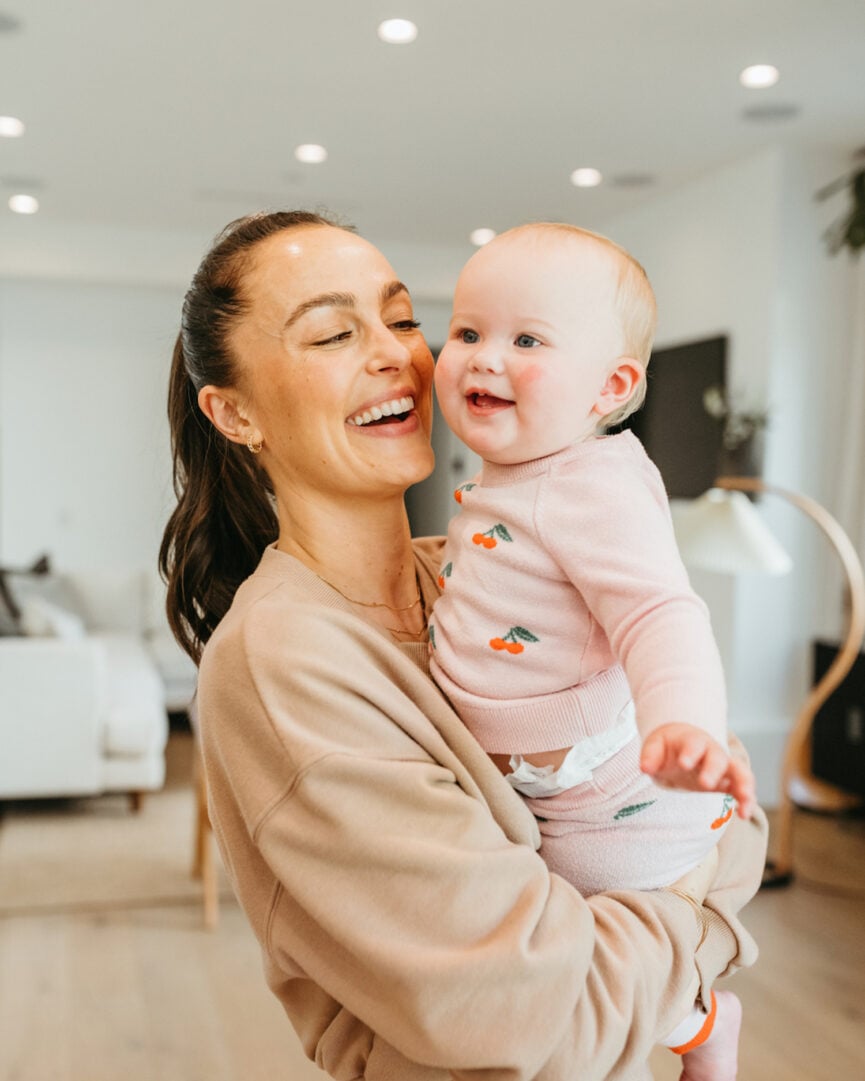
column 225, row 514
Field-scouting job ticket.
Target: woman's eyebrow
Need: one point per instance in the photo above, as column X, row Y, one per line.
column 323, row 300
column 391, row 289
column 340, row 300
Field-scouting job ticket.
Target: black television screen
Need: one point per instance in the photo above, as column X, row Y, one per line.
column 679, row 435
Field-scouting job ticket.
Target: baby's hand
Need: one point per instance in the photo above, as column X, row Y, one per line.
column 683, row 756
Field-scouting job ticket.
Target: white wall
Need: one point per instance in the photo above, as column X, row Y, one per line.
column 84, row 458
column 740, row 253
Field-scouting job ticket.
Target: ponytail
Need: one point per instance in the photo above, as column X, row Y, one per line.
column 225, row 514
column 223, row 520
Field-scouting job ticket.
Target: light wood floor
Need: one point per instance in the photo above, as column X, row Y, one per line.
column 144, row 994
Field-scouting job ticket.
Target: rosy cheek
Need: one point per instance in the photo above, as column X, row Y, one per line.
column 528, row 374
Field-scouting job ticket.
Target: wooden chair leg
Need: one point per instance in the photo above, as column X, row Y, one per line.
column 202, row 821
column 209, row 886
column 136, row 801
column 203, row 860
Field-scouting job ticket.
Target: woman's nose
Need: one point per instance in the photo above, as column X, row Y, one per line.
column 389, row 351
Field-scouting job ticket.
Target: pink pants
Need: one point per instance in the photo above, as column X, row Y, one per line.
column 619, row 830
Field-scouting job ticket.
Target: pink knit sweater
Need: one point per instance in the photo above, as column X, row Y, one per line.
column 564, row 596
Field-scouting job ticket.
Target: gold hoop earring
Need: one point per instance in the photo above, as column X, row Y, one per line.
column 254, row 448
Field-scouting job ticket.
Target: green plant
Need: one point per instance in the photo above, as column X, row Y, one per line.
column 738, row 425
column 849, row 230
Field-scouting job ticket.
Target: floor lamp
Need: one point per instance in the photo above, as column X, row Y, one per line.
column 718, row 532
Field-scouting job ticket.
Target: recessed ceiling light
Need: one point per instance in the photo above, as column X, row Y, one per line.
column 479, row 237
column 397, row 31
column 11, row 126
column 310, row 153
column 586, row 178
column 23, row 204
column 759, row 76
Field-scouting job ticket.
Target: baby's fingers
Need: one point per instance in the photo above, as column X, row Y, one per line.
column 713, row 767
column 653, row 754
column 693, row 750
column 739, row 782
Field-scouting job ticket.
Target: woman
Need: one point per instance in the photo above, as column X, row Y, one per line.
column 409, row 927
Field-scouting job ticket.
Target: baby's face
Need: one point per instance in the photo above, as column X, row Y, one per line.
column 533, row 338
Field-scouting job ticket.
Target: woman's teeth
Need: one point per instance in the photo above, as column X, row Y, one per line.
column 394, row 408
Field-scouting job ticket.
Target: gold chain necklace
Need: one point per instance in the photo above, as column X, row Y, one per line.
column 375, row 604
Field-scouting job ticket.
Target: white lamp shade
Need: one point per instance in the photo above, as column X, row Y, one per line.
column 722, row 532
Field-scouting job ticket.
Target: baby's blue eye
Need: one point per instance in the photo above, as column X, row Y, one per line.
column 526, row 341
column 468, row 336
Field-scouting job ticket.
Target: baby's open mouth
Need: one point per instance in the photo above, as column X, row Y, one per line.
column 392, row 412
column 488, row 401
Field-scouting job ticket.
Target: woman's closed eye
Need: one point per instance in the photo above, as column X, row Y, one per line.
column 332, row 339
column 405, row 324
column 526, row 341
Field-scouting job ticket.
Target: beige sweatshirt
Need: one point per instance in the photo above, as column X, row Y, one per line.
column 408, row 925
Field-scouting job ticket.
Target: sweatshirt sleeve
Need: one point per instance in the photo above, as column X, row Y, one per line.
column 401, row 897
column 609, row 528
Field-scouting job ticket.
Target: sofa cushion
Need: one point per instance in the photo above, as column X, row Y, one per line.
column 178, row 672
column 109, row 600
column 135, row 721
column 42, row 619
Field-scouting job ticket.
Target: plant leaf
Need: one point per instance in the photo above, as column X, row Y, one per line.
column 633, row 809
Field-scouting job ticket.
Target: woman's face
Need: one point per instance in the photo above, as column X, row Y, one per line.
column 334, row 371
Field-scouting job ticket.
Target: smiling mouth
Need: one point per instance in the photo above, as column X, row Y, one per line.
column 392, row 412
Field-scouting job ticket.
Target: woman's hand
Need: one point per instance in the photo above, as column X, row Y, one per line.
column 697, row 882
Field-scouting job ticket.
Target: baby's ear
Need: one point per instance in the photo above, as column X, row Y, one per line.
column 620, row 386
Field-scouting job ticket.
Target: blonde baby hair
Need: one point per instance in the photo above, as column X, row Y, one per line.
column 634, row 300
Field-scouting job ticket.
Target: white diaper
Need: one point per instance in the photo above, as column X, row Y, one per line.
column 580, row 761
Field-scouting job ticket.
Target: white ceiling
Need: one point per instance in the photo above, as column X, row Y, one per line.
column 182, row 114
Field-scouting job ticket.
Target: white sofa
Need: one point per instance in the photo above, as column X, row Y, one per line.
column 83, row 700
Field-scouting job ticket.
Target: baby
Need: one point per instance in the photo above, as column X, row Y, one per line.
column 567, row 635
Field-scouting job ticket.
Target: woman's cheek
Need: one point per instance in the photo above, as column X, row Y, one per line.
column 445, row 384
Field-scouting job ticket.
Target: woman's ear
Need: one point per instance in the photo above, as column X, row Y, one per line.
column 219, row 405
column 620, row 386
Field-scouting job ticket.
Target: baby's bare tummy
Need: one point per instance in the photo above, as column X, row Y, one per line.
column 539, row 758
